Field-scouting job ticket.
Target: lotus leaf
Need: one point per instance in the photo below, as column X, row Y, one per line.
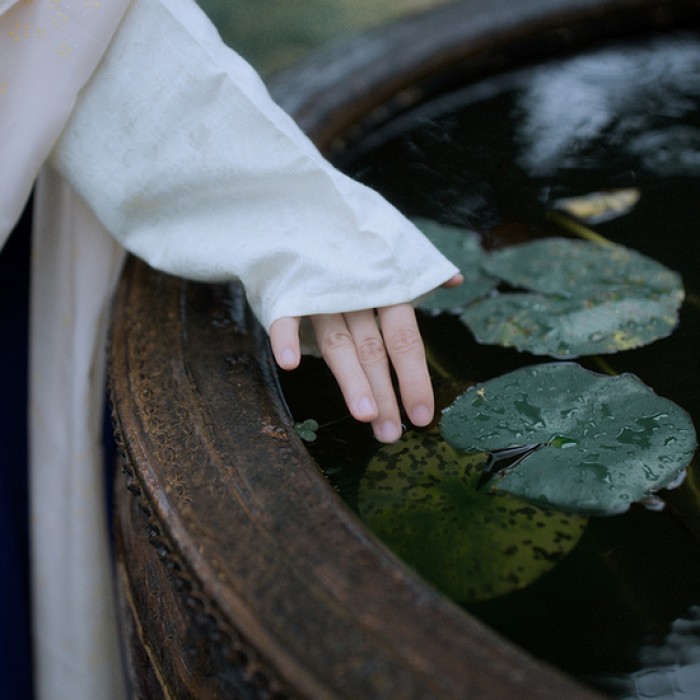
column 463, row 248
column 599, row 443
column 587, row 298
column 419, row 495
column 574, row 268
column 567, row 328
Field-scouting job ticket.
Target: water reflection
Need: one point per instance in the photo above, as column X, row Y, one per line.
column 670, row 152
column 574, row 111
column 671, row 669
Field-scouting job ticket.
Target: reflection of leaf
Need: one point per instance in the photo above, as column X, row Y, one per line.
column 420, row 497
column 606, row 442
column 597, row 207
column 463, row 248
column 307, row 430
column 590, row 299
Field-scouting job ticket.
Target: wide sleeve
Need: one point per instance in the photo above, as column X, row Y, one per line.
column 177, row 147
column 48, row 50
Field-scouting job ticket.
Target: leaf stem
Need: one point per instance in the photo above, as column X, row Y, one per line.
column 334, row 421
column 577, row 228
column 435, row 364
column 603, row 365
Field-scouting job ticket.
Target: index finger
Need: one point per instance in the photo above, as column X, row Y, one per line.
column 405, row 347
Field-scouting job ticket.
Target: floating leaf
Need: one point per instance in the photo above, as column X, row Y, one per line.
column 604, row 442
column 586, row 298
column 598, row 207
column 421, row 498
column 573, row 269
column 463, row 248
column 306, row 430
column 567, row 328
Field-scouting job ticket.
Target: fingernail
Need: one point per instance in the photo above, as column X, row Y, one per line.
column 288, row 357
column 366, row 407
column 421, row 415
column 389, row 431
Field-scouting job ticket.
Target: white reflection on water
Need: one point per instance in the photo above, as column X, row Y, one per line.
column 671, row 668
column 622, row 98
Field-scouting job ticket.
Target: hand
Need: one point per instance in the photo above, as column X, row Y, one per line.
column 358, row 347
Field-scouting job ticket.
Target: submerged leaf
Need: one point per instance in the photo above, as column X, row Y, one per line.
column 606, row 442
column 585, row 298
column 421, row 498
column 463, row 248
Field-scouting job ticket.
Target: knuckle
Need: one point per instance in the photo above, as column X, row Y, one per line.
column 371, row 351
column 405, row 341
column 338, row 340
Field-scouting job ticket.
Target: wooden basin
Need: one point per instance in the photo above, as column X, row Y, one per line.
column 241, row 572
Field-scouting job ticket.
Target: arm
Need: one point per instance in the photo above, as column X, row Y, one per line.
column 48, row 51
column 179, row 150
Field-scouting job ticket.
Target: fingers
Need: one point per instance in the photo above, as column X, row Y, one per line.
column 373, row 359
column 454, row 281
column 339, row 350
column 360, row 349
column 284, row 339
column 405, row 347
column 359, row 354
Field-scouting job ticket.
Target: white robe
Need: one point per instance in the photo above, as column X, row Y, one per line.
column 159, row 134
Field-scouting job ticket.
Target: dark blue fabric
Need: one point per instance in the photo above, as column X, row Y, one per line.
column 15, row 645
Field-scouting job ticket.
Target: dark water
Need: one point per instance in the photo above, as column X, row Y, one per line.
column 622, row 611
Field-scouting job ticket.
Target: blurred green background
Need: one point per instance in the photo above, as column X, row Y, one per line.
column 272, row 34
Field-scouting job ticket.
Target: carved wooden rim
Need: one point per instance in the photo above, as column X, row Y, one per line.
column 241, row 571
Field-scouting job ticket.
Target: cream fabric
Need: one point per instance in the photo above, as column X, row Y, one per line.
column 48, row 50
column 185, row 159
column 75, row 265
column 175, row 145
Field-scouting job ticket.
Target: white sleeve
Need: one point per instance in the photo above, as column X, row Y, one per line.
column 180, row 151
column 48, row 50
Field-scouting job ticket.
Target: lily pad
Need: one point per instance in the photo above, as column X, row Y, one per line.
column 584, row 298
column 463, row 248
column 420, row 496
column 568, row 328
column 598, row 443
column 574, row 268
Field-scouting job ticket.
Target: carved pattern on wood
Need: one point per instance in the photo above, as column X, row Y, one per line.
column 214, row 647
